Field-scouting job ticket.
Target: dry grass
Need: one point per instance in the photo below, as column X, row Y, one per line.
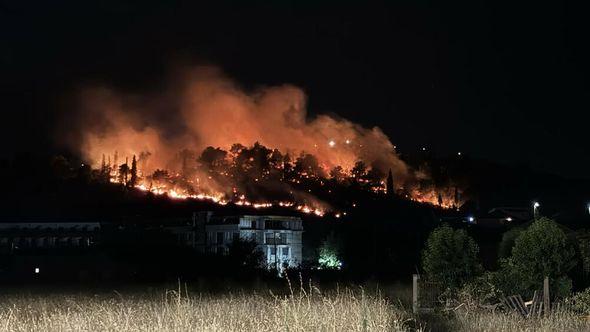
column 302, row 311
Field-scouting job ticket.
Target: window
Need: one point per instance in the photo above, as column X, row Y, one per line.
column 273, row 251
column 285, row 251
column 219, row 237
column 274, row 224
column 235, row 236
column 275, row 238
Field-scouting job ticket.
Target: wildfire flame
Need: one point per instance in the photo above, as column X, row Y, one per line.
column 204, row 108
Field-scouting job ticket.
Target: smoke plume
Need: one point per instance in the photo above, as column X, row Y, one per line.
column 206, row 108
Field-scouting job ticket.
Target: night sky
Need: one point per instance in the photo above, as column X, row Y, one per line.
column 505, row 82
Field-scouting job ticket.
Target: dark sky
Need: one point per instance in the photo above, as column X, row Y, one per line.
column 502, row 81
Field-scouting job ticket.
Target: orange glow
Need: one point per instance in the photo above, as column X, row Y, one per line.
column 202, row 108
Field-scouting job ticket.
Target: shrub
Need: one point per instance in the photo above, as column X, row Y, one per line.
column 580, row 302
column 539, row 251
column 481, row 290
column 507, row 242
column 329, row 252
column 450, row 257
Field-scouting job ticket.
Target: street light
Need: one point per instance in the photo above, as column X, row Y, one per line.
column 536, row 206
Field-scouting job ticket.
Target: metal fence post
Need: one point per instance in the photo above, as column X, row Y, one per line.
column 415, row 304
column 546, row 303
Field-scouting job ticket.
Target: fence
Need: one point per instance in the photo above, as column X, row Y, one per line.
column 426, row 296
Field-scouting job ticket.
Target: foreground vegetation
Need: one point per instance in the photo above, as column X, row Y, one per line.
column 177, row 311
column 304, row 310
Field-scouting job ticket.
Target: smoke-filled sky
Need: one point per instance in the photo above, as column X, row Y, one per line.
column 203, row 107
column 505, row 82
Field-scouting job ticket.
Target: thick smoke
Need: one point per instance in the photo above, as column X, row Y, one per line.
column 206, row 108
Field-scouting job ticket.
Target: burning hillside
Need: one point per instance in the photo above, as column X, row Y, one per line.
column 206, row 138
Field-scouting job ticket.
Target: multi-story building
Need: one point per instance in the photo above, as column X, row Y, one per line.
column 47, row 235
column 279, row 238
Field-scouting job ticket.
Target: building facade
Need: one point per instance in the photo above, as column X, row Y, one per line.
column 16, row 236
column 279, row 238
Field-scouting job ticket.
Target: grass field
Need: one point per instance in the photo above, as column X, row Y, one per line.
column 303, row 310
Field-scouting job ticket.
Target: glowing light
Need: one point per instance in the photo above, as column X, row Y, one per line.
column 347, row 141
column 37, row 270
column 508, row 219
column 331, row 143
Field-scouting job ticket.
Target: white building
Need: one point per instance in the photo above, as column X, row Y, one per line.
column 279, row 238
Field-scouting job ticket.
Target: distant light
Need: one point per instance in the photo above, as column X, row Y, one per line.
column 347, row 141
column 332, row 143
column 471, row 219
column 423, row 149
column 588, row 208
column 536, row 205
column 37, row 270
column 459, row 153
column 508, row 219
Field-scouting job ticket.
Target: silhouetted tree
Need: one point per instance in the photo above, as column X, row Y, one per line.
column 308, row 164
column 288, row 170
column 374, row 176
column 236, row 148
column 133, row 179
column 359, row 170
column 116, row 159
column 124, row 173
column 104, row 173
column 245, row 253
column 213, row 159
column 337, row 173
column 389, row 184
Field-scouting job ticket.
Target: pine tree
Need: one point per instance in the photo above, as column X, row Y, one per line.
column 389, row 184
column 115, row 163
column 104, row 170
column 133, row 179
